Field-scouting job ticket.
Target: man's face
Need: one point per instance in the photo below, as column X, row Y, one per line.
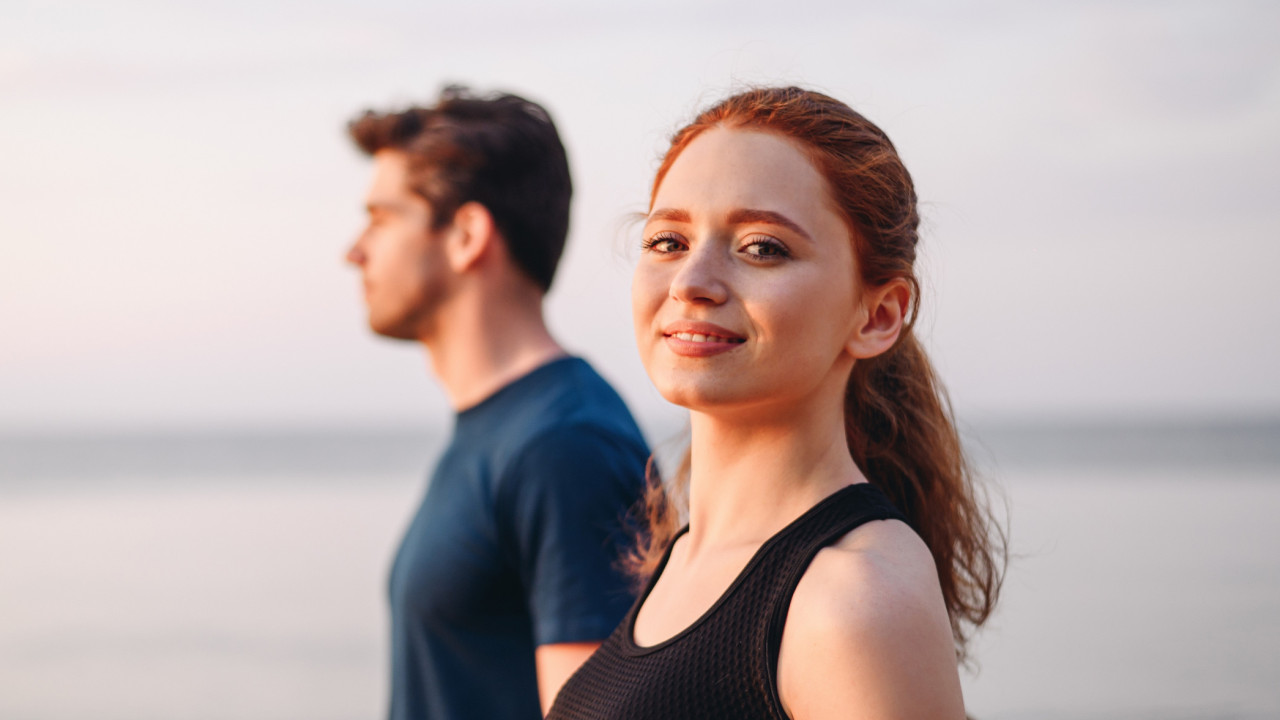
column 402, row 262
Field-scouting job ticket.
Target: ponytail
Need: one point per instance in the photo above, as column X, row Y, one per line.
column 901, row 433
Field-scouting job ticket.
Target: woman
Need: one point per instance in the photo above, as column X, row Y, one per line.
column 835, row 553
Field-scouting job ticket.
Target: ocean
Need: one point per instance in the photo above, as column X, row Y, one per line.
column 242, row 576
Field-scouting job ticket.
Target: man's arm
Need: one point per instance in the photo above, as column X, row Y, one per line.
column 556, row 663
column 567, row 497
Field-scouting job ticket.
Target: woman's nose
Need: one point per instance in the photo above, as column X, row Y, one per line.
column 701, row 277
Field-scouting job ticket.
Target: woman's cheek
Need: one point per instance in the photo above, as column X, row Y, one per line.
column 646, row 299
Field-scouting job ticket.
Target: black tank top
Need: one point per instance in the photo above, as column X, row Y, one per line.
column 725, row 664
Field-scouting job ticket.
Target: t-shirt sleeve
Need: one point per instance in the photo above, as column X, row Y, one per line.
column 569, row 495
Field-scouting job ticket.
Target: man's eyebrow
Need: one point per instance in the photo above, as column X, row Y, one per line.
column 747, row 216
column 669, row 214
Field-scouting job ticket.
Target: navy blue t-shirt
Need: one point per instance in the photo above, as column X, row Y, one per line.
column 515, row 545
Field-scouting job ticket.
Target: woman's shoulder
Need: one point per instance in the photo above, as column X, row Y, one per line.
column 882, row 560
column 876, row 582
column 868, row 628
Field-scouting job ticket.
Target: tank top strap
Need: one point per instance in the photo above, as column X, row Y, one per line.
column 786, row 556
column 832, row 518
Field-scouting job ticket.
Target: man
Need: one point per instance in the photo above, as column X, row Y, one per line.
column 507, row 578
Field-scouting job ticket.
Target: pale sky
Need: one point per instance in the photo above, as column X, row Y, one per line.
column 1101, row 187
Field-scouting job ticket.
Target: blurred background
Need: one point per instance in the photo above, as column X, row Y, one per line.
column 206, row 460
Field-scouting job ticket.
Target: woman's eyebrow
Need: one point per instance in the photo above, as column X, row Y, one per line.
column 669, row 214
column 747, row 216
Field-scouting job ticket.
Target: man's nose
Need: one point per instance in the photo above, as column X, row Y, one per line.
column 356, row 255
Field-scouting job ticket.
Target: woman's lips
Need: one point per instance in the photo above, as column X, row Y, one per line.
column 697, row 339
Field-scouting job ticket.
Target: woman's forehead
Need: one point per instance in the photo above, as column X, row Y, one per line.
column 726, row 169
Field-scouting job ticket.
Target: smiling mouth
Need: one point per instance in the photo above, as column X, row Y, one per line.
column 701, row 338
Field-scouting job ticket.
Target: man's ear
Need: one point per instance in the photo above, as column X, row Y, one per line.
column 470, row 237
column 884, row 310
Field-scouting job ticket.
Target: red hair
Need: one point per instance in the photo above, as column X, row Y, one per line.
column 898, row 420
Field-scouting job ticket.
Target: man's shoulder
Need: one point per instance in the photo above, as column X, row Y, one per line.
column 562, row 415
column 571, row 400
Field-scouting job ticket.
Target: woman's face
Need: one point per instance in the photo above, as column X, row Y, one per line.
column 745, row 293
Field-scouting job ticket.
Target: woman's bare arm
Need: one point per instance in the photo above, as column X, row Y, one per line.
column 867, row 635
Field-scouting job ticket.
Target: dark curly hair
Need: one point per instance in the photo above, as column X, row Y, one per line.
column 499, row 150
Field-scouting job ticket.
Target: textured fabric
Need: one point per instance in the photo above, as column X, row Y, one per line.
column 724, row 664
column 515, row 545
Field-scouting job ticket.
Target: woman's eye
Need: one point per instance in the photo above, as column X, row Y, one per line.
column 766, row 248
column 662, row 243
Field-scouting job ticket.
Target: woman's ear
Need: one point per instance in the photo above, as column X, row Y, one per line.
column 884, row 310
column 469, row 237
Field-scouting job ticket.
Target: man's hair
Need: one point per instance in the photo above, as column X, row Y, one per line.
column 499, row 150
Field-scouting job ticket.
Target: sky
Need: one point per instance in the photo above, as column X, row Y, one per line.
column 1100, row 185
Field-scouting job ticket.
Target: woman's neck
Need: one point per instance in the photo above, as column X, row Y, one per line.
column 751, row 476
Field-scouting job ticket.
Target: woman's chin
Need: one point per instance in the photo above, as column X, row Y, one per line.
column 701, row 397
